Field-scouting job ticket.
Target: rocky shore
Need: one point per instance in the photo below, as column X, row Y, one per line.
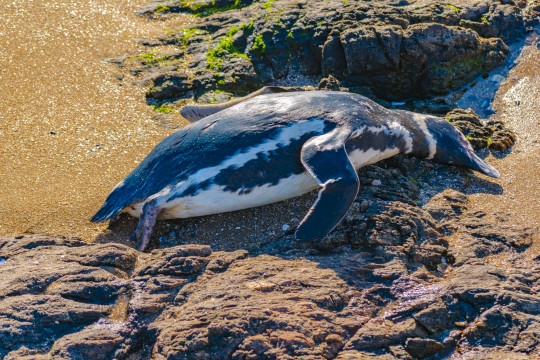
column 391, row 49
column 414, row 271
column 395, row 280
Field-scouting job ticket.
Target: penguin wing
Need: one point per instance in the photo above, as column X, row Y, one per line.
column 197, row 112
column 326, row 159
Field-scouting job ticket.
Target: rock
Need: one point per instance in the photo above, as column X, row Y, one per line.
column 38, row 303
column 399, row 352
column 65, row 299
column 448, row 205
column 99, row 343
column 393, row 48
column 381, row 334
column 169, row 86
column 364, row 205
column 464, row 56
column 333, row 60
column 480, row 295
column 372, row 50
column 267, row 317
column 500, row 20
column 329, row 83
column 492, row 133
column 213, row 97
column 389, row 284
column 466, row 115
column 502, row 138
column 482, row 240
column 422, row 348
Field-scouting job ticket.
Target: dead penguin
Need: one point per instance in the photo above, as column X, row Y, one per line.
column 274, row 147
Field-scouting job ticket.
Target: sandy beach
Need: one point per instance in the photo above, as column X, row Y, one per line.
column 71, row 128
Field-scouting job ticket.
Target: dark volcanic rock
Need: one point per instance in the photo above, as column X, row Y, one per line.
column 399, row 49
column 167, row 86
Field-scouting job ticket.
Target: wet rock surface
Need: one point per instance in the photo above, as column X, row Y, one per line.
column 399, row 49
column 411, row 272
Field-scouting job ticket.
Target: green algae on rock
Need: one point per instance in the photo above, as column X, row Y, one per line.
column 490, row 134
column 399, row 49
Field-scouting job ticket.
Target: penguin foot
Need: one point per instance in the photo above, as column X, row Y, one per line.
column 145, row 227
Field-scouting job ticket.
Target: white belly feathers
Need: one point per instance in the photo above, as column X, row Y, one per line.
column 215, row 199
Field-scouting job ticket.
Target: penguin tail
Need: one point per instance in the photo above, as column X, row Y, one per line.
column 104, row 213
column 112, row 206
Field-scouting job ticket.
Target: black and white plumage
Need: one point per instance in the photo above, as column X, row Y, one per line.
column 274, row 147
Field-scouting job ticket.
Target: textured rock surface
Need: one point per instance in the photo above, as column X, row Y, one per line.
column 396, row 279
column 399, row 49
column 481, row 134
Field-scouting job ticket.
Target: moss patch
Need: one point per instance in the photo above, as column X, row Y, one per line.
column 187, row 35
column 161, row 9
column 225, row 48
column 150, row 58
column 202, row 9
column 164, row 109
column 453, row 7
column 258, row 44
column 247, row 27
column 268, row 5
column 484, row 20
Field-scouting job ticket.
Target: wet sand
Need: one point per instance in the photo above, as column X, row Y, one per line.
column 518, row 106
column 70, row 129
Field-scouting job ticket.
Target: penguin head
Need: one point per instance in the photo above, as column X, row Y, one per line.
column 454, row 149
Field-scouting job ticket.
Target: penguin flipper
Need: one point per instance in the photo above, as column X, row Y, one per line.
column 327, row 161
column 195, row 113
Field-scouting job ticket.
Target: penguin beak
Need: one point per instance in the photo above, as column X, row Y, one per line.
column 481, row 166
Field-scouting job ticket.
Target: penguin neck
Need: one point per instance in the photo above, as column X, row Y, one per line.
column 424, row 145
column 368, row 145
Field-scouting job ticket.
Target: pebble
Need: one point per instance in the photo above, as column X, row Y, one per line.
column 285, row 227
column 497, row 78
column 376, row 182
column 364, row 205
